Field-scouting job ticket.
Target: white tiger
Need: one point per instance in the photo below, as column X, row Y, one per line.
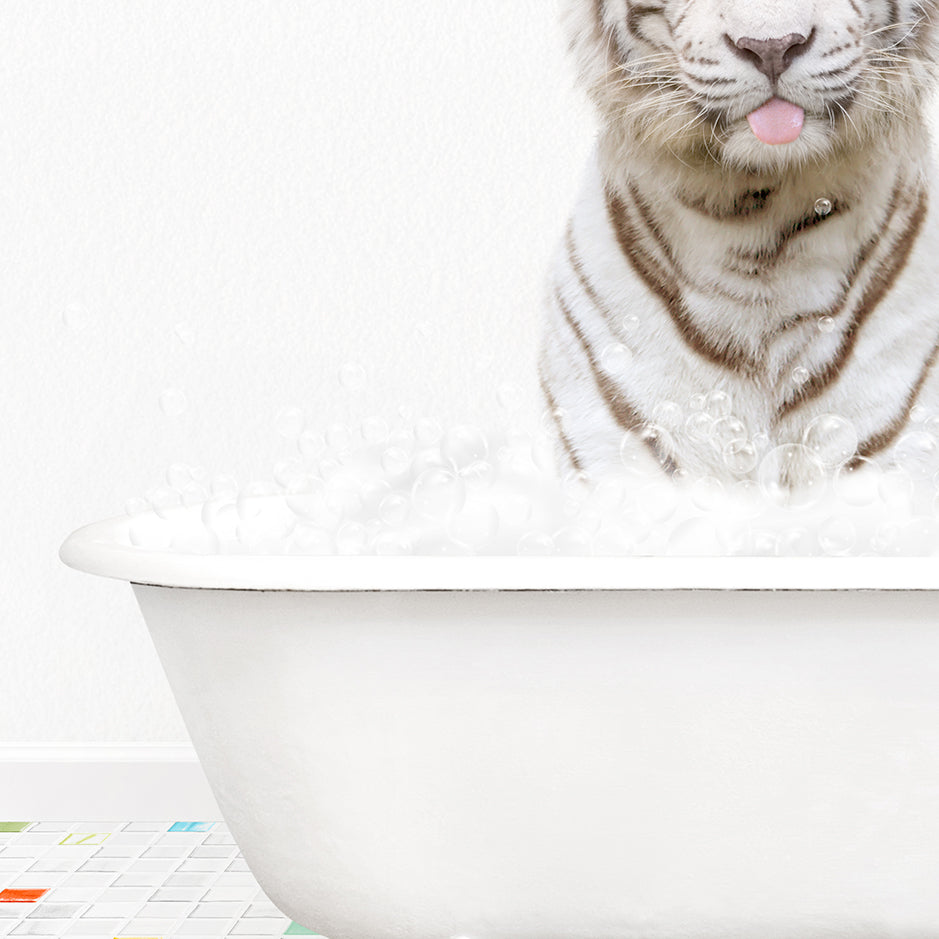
column 754, row 246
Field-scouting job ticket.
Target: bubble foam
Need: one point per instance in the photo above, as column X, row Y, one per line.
column 420, row 489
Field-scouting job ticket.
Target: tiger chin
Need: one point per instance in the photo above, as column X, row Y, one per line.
column 747, row 279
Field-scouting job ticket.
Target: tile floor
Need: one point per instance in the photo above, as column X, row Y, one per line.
column 131, row 880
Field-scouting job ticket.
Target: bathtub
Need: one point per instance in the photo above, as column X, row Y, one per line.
column 562, row 748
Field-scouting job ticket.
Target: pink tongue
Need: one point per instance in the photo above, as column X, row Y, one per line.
column 777, row 121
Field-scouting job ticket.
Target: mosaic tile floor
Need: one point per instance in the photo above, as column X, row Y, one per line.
column 131, row 880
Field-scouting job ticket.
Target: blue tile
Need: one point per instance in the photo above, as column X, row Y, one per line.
column 192, row 826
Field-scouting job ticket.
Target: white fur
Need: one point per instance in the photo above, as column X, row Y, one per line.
column 656, row 154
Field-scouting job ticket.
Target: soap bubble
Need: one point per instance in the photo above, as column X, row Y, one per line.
column 826, row 324
column 224, row 485
column 428, row 458
column 375, row 430
column 286, row 471
column 163, row 500
column 611, row 494
column 919, row 537
column 616, row 358
column 700, row 426
column 309, row 498
column 150, row 532
column 657, row 502
column 796, row 542
column 668, row 414
column 695, row 537
column 480, row 474
column 173, row 402
column 311, row 540
column 395, row 461
column 896, row 489
column 630, row 323
column 740, row 457
column 394, row 509
column 572, row 540
column 427, row 432
column 800, row 375
column 615, row 541
column 351, row 538
column 464, row 445
column 836, row 535
column 339, row 438
column 312, row 445
column 857, row 482
column 476, row 525
column 192, row 494
column 831, row 438
column 253, row 499
column 536, row 544
column 438, row 493
column 719, row 403
column 707, row 493
column 638, row 446
column 392, row 544
column 791, row 476
column 729, row 430
column 918, row 454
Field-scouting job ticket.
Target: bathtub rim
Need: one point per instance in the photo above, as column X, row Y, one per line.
column 102, row 548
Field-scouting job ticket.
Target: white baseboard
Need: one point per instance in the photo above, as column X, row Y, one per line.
column 103, row 782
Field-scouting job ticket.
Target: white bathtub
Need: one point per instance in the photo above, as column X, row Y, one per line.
column 431, row 748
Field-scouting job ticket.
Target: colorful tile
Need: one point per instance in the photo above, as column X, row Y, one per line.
column 21, row 896
column 150, row 881
column 86, row 838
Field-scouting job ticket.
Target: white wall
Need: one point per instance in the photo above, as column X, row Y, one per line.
column 294, row 184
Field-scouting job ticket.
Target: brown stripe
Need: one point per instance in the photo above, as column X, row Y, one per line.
column 623, row 411
column 653, row 229
column 635, row 14
column 770, row 255
column 857, row 266
column 744, row 205
column 582, row 278
column 603, row 36
column 875, row 291
column 562, row 436
column 727, row 355
column 882, row 440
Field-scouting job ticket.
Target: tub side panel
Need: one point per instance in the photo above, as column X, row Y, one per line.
column 513, row 766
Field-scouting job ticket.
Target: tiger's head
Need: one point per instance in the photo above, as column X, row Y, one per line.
column 755, row 85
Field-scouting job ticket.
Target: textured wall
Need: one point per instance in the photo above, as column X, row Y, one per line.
column 230, row 199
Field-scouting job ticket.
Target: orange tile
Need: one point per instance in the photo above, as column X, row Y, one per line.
column 21, row 896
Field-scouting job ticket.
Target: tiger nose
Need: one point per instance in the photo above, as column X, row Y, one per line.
column 772, row 56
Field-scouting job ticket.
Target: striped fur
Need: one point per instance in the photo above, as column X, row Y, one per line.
column 695, row 276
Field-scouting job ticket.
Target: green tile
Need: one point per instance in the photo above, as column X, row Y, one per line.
column 14, row 826
column 295, row 929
